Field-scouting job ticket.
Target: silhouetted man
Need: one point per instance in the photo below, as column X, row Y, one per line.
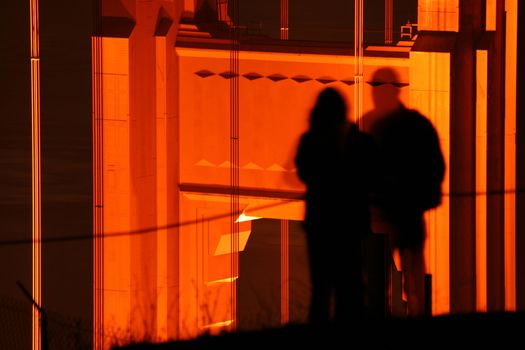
column 333, row 162
column 411, row 169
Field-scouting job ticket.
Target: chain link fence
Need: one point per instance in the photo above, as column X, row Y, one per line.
column 62, row 332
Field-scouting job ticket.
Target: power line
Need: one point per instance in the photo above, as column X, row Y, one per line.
column 11, row 242
column 21, row 241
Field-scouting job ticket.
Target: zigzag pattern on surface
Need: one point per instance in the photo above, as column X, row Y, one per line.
column 247, row 166
column 277, row 77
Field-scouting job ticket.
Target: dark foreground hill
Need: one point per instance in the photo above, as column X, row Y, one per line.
column 499, row 330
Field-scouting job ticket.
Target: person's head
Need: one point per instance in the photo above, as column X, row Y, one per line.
column 385, row 95
column 329, row 110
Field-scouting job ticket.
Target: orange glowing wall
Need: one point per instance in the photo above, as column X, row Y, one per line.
column 438, row 15
column 481, row 179
column 167, row 188
column 511, row 67
column 143, row 107
column 471, row 247
column 136, row 275
column 430, row 94
column 161, row 285
column 166, row 159
column 206, row 274
column 116, row 258
column 270, row 127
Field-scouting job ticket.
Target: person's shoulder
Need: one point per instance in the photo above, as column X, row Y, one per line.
column 352, row 130
column 418, row 119
column 416, row 114
column 355, row 134
column 306, row 135
column 304, row 139
column 310, row 138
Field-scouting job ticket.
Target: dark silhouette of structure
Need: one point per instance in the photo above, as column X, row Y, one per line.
column 333, row 161
column 411, row 168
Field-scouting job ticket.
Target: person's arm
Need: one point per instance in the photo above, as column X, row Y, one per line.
column 373, row 171
column 302, row 161
column 438, row 159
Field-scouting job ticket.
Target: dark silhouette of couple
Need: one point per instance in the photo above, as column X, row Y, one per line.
column 396, row 160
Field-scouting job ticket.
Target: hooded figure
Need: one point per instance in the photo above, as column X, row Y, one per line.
column 333, row 160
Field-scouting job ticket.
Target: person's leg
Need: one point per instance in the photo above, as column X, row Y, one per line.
column 320, row 281
column 413, row 266
column 349, row 294
column 320, row 303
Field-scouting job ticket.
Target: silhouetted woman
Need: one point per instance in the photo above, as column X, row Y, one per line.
column 333, row 161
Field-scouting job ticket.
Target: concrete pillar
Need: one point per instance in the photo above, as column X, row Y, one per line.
column 389, row 21
column 520, row 164
column 462, row 161
column 496, row 161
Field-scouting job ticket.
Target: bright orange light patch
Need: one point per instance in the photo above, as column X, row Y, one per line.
column 225, row 243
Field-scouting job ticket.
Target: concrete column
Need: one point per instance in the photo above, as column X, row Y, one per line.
column 495, row 162
column 520, row 164
column 143, row 172
column 389, row 21
column 462, row 161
